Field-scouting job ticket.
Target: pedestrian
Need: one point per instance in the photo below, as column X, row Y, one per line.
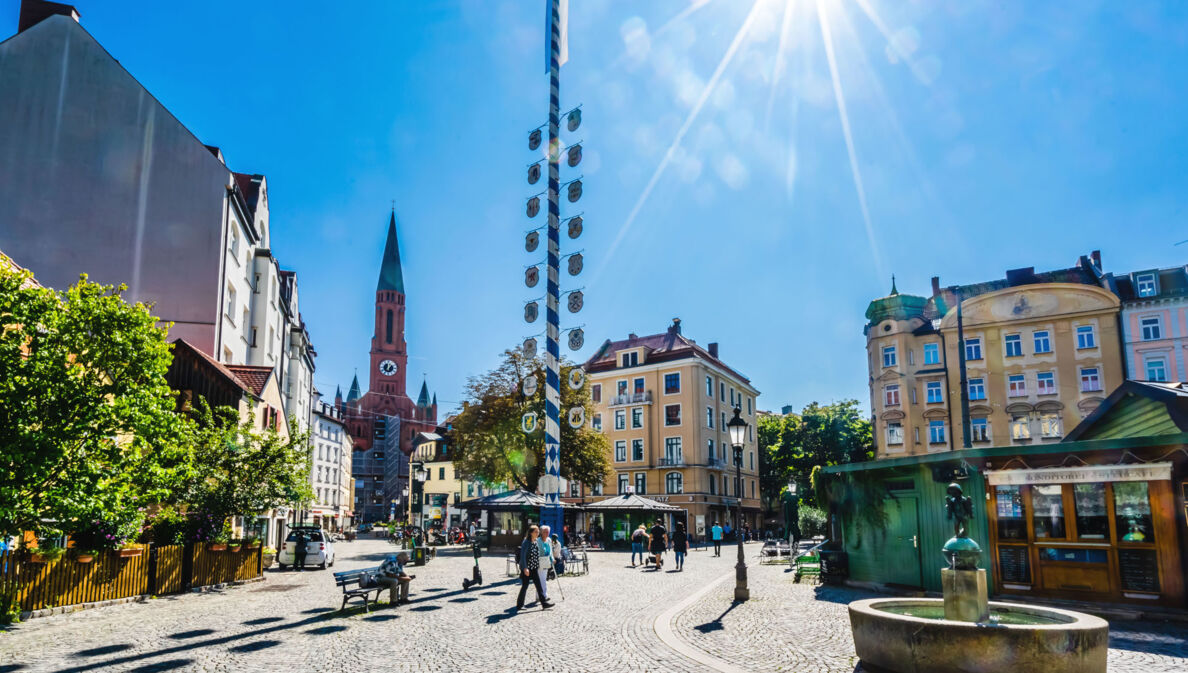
column 545, row 547
column 680, row 545
column 659, row 542
column 558, row 559
column 470, row 537
column 716, row 535
column 638, row 539
column 299, row 551
column 529, row 562
column 393, row 576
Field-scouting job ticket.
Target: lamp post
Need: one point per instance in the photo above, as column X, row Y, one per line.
column 403, row 537
column 793, row 513
column 738, row 434
column 419, row 475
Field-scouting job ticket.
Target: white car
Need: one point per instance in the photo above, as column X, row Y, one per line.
column 319, row 550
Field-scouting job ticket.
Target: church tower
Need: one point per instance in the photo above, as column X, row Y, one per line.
column 389, row 353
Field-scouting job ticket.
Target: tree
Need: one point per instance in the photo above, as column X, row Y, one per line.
column 488, row 438
column 87, row 423
column 241, row 470
column 821, row 435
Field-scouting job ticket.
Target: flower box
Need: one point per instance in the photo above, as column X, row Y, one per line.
column 233, row 547
column 252, row 545
column 37, row 558
column 129, row 552
column 216, row 546
column 84, row 558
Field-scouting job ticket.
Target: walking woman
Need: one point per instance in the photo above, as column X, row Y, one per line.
column 529, row 561
column 680, row 545
column 638, row 539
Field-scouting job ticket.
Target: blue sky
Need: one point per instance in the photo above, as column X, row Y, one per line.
column 723, row 183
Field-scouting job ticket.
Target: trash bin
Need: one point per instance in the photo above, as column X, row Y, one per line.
column 418, row 556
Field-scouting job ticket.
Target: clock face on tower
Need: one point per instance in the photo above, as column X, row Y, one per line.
column 387, row 368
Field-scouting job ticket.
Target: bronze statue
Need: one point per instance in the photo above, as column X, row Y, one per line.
column 960, row 509
column 961, row 552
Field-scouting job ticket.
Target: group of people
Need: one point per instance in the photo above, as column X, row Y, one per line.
column 657, row 541
column 540, row 551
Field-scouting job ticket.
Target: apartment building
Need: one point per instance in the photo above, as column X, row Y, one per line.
column 1154, row 322
column 1041, row 352
column 330, row 469
column 664, row 401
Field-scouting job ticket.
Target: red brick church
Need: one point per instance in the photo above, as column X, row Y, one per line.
column 384, row 420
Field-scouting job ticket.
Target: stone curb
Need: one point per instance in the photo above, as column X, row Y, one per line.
column 663, row 628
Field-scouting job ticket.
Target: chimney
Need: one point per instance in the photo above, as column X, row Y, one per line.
column 676, row 326
column 935, row 285
column 632, row 336
column 713, row 349
column 1096, row 257
column 34, row 12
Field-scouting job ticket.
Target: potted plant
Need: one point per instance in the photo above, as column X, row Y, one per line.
column 129, row 550
column 219, row 543
column 268, row 555
column 85, row 555
column 234, row 545
column 44, row 553
column 251, row 541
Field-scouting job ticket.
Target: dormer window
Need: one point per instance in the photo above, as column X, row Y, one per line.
column 1145, row 285
column 631, row 359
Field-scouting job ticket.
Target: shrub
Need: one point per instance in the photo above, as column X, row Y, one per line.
column 812, row 522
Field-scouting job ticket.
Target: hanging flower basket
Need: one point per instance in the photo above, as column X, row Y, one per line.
column 85, row 558
column 216, row 546
column 233, row 547
column 129, row 552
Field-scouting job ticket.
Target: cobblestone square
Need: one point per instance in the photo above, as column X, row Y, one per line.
column 615, row 619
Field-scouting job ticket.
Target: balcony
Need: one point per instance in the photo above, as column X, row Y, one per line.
column 672, row 461
column 631, row 398
column 715, row 463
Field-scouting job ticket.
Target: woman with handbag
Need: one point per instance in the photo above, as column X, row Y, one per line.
column 529, row 562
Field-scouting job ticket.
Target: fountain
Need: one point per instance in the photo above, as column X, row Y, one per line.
column 964, row 631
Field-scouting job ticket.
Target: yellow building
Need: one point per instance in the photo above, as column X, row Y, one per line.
column 663, row 401
column 1041, row 350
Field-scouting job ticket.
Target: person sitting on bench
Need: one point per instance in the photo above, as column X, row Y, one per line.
column 392, row 575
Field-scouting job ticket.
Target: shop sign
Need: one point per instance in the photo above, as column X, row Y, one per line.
column 1080, row 475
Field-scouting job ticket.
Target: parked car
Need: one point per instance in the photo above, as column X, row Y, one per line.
column 319, row 549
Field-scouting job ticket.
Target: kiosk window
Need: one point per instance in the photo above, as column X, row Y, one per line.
column 1132, row 512
column 1047, row 504
column 1009, row 507
column 1089, row 501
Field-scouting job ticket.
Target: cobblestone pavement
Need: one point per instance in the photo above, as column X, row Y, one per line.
column 606, row 622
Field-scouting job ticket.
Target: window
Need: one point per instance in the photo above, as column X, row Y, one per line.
column 977, row 389
column 1045, row 383
column 889, row 358
column 936, row 432
column 623, row 483
column 597, row 422
column 710, row 449
column 733, row 403
column 1085, row 337
column 441, row 473
column 1145, row 283
column 723, row 428
column 935, row 396
column 231, row 301
column 672, row 383
column 979, row 429
column 932, row 354
column 235, row 243
column 470, row 490
column 388, row 327
column 637, row 417
column 1089, row 507
column 891, row 395
column 1020, row 426
column 596, row 489
column 620, row 419
column 709, row 386
column 894, row 433
column 641, row 483
column 973, row 349
column 1012, row 524
column 722, row 390
column 672, row 414
column 639, row 385
column 1150, row 327
column 596, row 392
column 709, row 417
column 673, row 483
column 620, row 451
column 672, row 450
column 631, row 359
column 621, row 387
column 1090, row 380
column 1132, row 512
column 1047, row 504
column 912, row 394
column 637, row 450
column 1041, row 341
column 1050, row 425
column 1014, row 345
column 748, row 406
column 1016, row 385
column 1156, row 369
column 713, row 485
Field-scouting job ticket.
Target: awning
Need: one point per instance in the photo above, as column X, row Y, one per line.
column 510, row 501
column 1080, row 475
column 631, row 502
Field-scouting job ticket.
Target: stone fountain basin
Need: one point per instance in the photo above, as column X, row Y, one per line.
column 1075, row 643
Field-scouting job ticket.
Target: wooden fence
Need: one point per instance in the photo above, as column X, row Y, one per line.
column 154, row 571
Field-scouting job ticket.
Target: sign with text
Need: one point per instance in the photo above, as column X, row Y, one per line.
column 1080, row 475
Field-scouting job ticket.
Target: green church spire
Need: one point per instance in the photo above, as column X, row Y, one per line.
column 390, row 277
column 354, row 392
column 423, row 398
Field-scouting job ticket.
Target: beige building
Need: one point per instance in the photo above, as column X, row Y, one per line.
column 663, row 401
column 330, row 469
column 1042, row 351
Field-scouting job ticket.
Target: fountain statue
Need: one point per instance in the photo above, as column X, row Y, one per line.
column 964, row 631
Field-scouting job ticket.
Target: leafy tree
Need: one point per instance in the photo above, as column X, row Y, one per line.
column 240, row 469
column 490, row 444
column 821, row 435
column 87, row 422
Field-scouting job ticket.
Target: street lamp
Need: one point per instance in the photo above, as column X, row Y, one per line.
column 793, row 514
column 738, row 434
column 419, row 475
column 403, row 537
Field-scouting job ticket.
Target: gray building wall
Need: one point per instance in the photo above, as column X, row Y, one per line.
column 97, row 177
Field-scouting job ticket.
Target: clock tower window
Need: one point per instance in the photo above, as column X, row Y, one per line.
column 389, row 327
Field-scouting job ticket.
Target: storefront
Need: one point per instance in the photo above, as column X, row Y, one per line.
column 618, row 516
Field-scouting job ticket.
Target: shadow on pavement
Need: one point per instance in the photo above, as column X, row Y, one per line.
column 254, row 646
column 316, row 611
column 380, row 618
column 191, row 634
column 500, row 616
column 326, row 630
column 12, row 668
column 170, row 665
column 716, row 625
column 263, row 620
column 106, row 649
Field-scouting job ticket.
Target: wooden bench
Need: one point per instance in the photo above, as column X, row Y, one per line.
column 349, row 581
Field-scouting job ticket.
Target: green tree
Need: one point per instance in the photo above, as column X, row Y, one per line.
column 87, row 422
column 240, row 469
column 820, row 435
column 490, row 443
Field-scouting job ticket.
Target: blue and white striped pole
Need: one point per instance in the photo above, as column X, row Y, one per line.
column 552, row 513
